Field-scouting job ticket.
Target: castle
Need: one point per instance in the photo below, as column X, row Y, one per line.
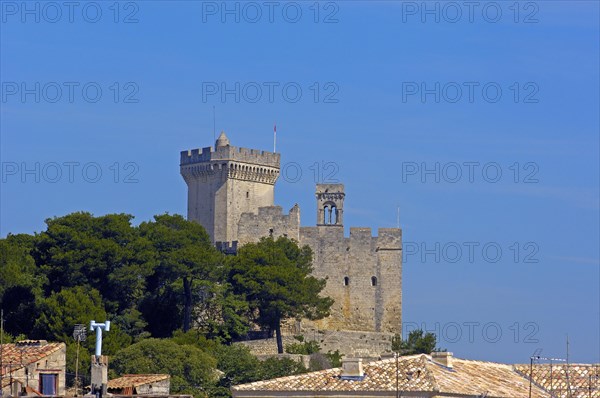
column 231, row 194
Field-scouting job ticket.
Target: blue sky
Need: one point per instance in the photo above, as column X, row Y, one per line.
column 409, row 105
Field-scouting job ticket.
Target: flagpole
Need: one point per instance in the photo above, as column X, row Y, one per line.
column 274, row 138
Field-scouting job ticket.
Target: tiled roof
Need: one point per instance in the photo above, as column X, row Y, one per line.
column 583, row 379
column 25, row 353
column 416, row 373
column 136, row 380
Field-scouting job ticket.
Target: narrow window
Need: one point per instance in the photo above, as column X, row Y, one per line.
column 247, row 194
column 346, row 281
column 373, row 281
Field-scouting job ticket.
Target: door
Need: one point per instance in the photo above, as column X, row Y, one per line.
column 48, row 383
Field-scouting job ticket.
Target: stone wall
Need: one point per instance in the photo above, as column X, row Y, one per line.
column 54, row 364
column 158, row 388
column 231, row 193
column 303, row 359
column 225, row 183
column 363, row 272
column 253, row 226
column 266, row 346
column 367, row 345
column 364, row 276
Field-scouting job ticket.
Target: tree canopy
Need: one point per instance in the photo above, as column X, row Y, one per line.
column 192, row 370
column 418, row 342
column 275, row 276
column 175, row 302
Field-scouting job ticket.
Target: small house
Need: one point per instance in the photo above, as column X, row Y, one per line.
column 149, row 384
column 33, row 367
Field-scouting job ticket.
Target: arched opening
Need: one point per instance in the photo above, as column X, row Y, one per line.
column 373, row 281
column 330, row 214
column 326, row 214
column 346, row 281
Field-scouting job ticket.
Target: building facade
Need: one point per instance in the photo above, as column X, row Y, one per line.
column 140, row 384
column 33, row 367
column 231, row 193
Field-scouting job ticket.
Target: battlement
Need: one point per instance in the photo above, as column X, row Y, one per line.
column 270, row 220
column 389, row 238
column 230, row 162
column 231, row 193
column 360, row 233
column 230, row 153
column 392, row 236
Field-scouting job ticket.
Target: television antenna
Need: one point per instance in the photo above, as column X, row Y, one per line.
column 79, row 334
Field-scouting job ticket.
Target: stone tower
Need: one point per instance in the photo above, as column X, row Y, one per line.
column 363, row 272
column 230, row 192
column 226, row 181
column 330, row 204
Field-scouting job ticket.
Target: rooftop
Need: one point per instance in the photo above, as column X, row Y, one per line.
column 416, row 373
column 17, row 355
column 136, row 380
column 572, row 381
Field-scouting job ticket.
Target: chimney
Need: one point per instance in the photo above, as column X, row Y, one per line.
column 443, row 358
column 352, row 369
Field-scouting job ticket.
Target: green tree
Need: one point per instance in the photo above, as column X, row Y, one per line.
column 192, row 370
column 186, row 259
column 63, row 310
column 303, row 348
column 275, row 276
column 20, row 284
column 418, row 342
column 59, row 314
column 221, row 314
column 104, row 253
column 17, row 267
column 275, row 367
column 238, row 365
column 20, row 306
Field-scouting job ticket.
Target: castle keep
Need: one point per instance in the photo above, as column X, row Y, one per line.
column 231, row 194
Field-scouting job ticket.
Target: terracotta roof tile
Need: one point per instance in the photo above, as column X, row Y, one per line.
column 583, row 379
column 136, row 380
column 417, row 373
column 26, row 352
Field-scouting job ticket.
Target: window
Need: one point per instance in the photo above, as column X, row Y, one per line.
column 247, row 194
column 330, row 214
column 346, row 281
column 48, row 383
column 373, row 281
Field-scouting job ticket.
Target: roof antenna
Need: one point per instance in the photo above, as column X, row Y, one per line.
column 569, row 392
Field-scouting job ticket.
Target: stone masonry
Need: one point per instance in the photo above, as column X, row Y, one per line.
column 231, row 193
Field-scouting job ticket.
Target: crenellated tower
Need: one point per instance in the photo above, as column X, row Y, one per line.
column 231, row 193
column 226, row 181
